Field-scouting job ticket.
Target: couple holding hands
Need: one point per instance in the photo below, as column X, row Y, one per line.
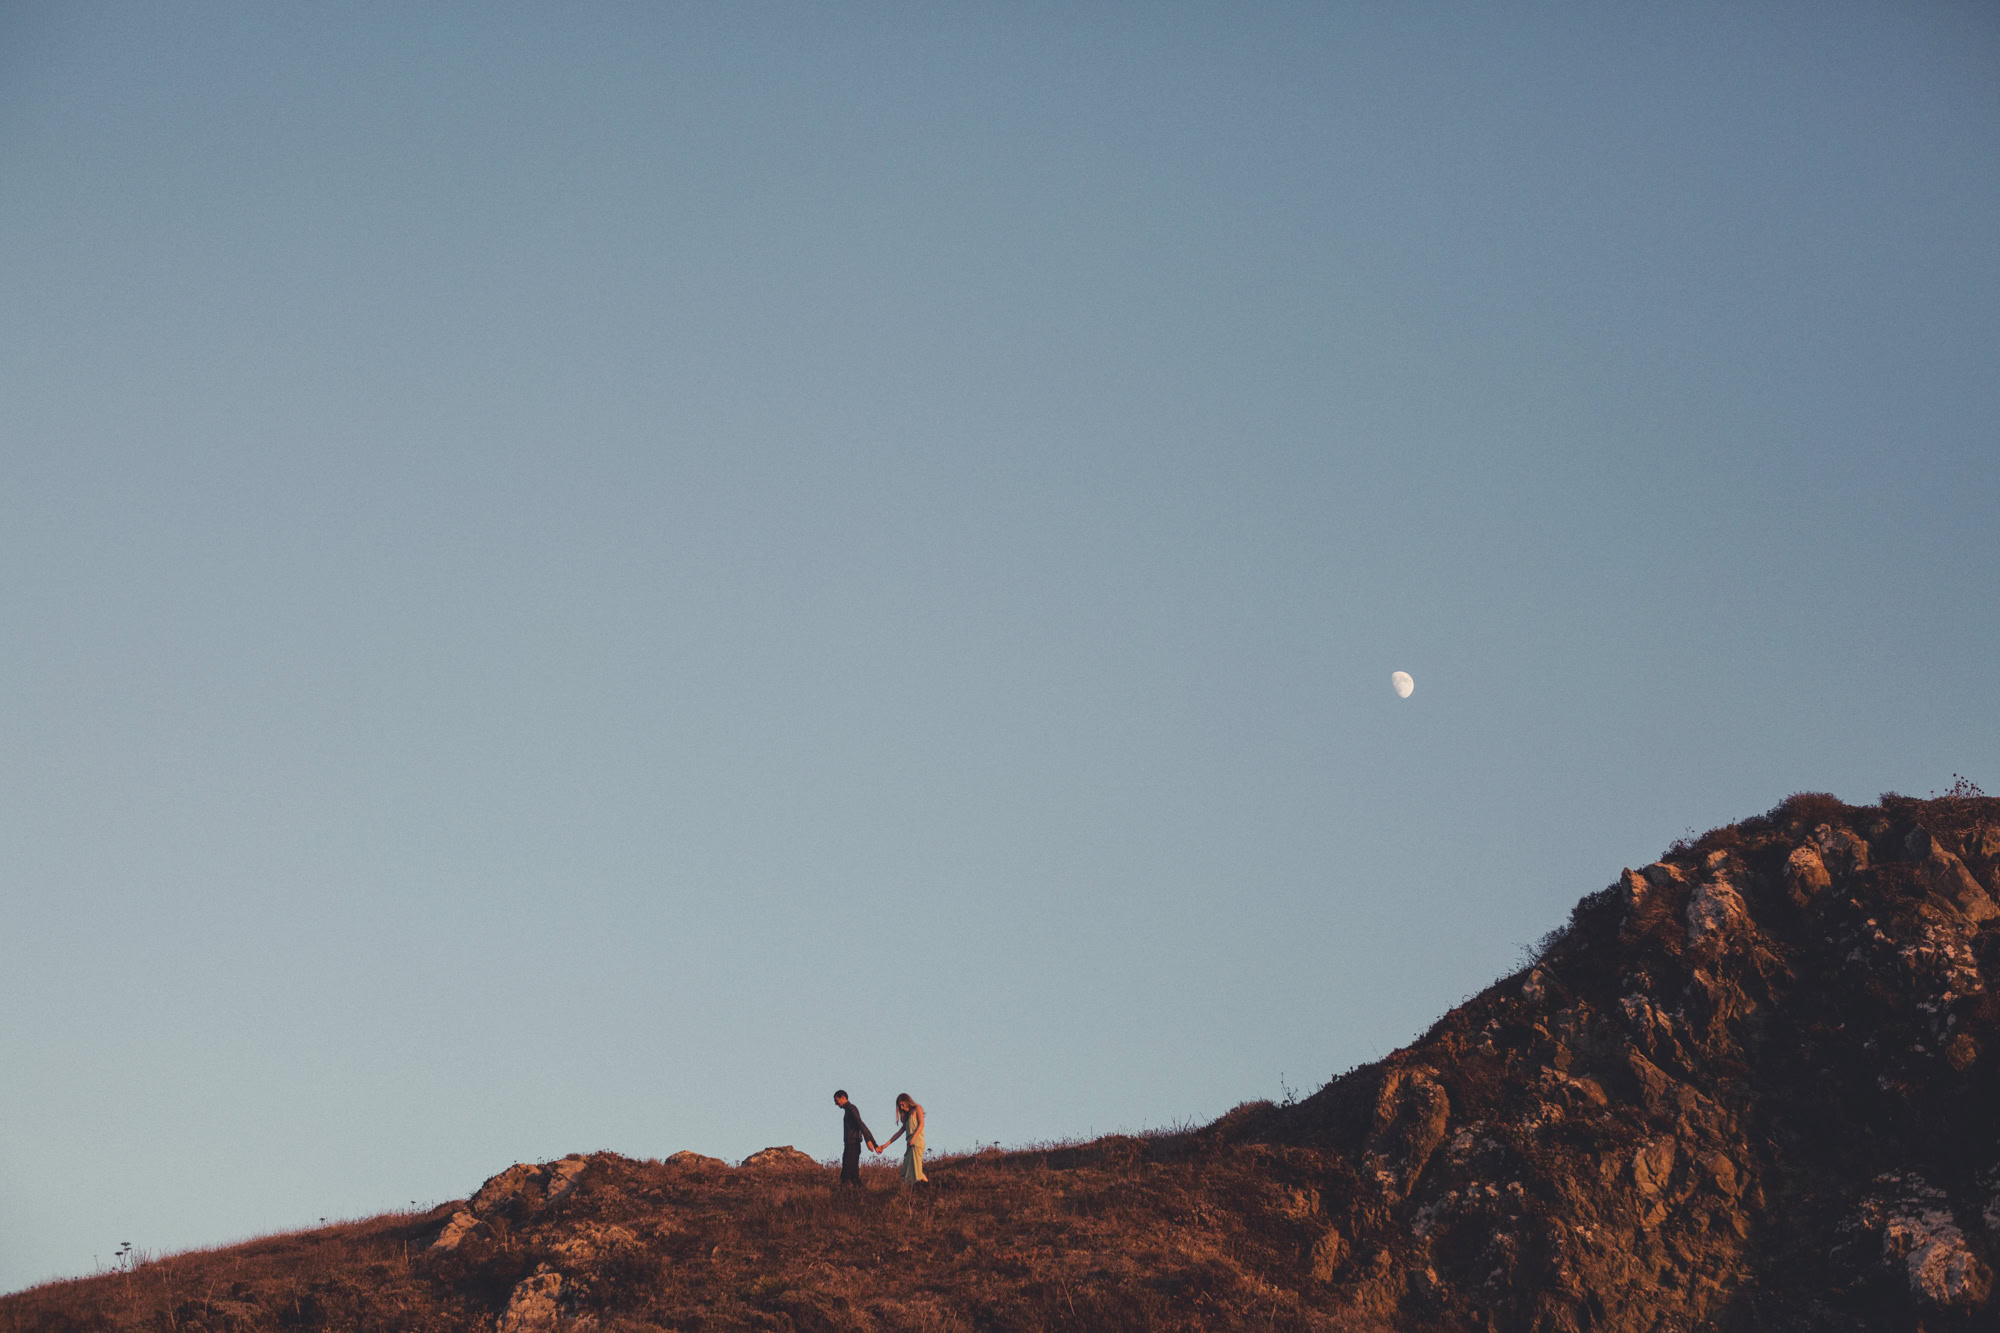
column 910, row 1129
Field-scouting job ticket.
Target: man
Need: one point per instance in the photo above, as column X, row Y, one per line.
column 852, row 1135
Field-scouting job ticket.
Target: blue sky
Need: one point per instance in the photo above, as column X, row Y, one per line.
column 576, row 579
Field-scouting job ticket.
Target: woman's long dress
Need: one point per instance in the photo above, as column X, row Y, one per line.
column 913, row 1148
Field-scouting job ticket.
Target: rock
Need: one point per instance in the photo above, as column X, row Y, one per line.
column 1721, row 1174
column 1327, row 1256
column 686, row 1158
column 1841, row 850
column 1652, row 1030
column 1661, row 875
column 533, row 1306
column 1715, row 912
column 522, row 1190
column 462, row 1225
column 1411, row 1112
column 1920, row 1237
column 1658, row 1093
column 1948, row 878
column 562, row 1178
column 785, row 1158
column 1652, row 1167
column 1943, row 1269
column 1980, row 850
column 593, row 1244
column 1300, row 1205
column 506, row 1188
column 1806, row 875
column 1961, row 1052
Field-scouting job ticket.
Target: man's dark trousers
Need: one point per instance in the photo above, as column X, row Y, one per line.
column 853, row 1133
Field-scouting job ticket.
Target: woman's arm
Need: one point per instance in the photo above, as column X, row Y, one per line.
column 891, row 1139
column 916, row 1121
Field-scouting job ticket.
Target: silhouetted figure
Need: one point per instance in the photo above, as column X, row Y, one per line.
column 853, row 1133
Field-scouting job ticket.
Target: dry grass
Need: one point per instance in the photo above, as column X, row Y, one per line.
column 1171, row 1231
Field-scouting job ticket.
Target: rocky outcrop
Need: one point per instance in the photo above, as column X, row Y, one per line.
column 463, row 1226
column 523, row 1191
column 1947, row 877
column 1750, row 1085
column 786, row 1158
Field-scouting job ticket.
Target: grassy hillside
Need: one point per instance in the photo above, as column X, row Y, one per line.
column 1168, row 1231
column 1754, row 1085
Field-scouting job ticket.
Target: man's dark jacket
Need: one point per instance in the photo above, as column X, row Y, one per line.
column 851, row 1129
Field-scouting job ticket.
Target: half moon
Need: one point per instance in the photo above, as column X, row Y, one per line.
column 1401, row 680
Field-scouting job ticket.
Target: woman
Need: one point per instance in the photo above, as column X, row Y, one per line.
column 910, row 1117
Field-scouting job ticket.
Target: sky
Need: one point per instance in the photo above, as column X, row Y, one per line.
column 575, row 578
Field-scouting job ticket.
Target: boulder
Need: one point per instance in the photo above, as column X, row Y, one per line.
column 522, row 1190
column 1841, row 849
column 1411, row 1113
column 1806, row 875
column 462, row 1226
column 785, row 1158
column 501, row 1191
column 1327, row 1255
column 1653, row 1166
column 533, row 1307
column 1947, row 877
column 1715, row 911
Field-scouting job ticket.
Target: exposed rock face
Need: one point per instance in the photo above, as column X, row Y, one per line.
column 463, row 1225
column 1806, row 874
column 534, row 1306
column 522, row 1191
column 1749, row 1087
column 1947, row 877
column 1411, row 1111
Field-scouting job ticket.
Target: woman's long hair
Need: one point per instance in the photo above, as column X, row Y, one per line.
column 906, row 1105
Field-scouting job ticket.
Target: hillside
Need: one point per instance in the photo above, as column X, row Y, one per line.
column 1754, row 1085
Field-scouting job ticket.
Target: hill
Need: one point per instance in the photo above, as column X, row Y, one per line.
column 1754, row 1085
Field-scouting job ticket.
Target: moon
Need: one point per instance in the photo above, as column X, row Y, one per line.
column 1402, row 683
